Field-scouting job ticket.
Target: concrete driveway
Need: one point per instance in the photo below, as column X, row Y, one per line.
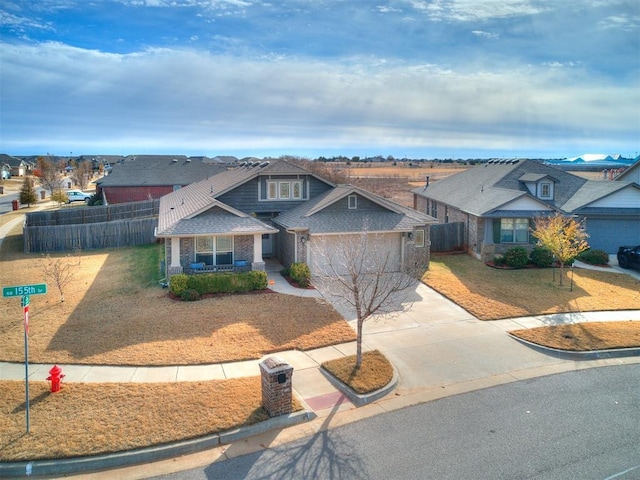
column 433, row 342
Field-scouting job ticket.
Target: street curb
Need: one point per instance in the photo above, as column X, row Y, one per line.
column 66, row 466
column 587, row 355
column 362, row 399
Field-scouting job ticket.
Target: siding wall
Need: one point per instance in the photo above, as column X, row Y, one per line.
column 134, row 194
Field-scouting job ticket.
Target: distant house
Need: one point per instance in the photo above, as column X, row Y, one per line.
column 144, row 177
column 631, row 174
column 498, row 201
column 17, row 166
column 277, row 209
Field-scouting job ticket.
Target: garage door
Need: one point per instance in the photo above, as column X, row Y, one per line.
column 334, row 252
column 608, row 234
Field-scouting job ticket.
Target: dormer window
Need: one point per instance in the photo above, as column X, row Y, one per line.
column 353, row 202
column 546, row 190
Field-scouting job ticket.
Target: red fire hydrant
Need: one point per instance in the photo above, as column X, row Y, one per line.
column 55, row 376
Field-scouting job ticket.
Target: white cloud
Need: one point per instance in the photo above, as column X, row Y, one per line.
column 472, row 10
column 175, row 99
column 481, row 33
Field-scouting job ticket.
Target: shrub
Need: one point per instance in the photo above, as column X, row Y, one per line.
column 516, row 257
column 541, row 257
column 498, row 261
column 178, row 284
column 594, row 257
column 205, row 283
column 300, row 274
column 190, row 295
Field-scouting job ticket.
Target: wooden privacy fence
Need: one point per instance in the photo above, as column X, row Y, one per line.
column 97, row 214
column 88, row 228
column 446, row 237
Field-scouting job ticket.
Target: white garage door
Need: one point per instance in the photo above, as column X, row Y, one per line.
column 331, row 253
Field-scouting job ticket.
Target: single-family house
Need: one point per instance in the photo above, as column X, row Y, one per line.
column 498, row 200
column 17, row 166
column 145, row 177
column 258, row 210
column 631, row 174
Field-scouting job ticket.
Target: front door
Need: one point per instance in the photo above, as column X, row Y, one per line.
column 267, row 245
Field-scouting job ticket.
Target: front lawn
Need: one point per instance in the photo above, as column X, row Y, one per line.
column 116, row 313
column 490, row 294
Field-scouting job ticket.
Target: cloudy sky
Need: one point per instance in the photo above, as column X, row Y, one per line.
column 414, row 78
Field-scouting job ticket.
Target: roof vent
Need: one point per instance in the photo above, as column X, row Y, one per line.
column 188, row 159
column 264, row 164
column 255, row 164
column 175, row 160
column 242, row 164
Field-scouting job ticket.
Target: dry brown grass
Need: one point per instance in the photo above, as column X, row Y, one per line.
column 375, row 372
column 583, row 337
column 491, row 294
column 91, row 419
column 112, row 316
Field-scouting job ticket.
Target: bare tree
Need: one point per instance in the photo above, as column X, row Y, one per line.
column 60, row 272
column 359, row 272
column 49, row 174
column 563, row 236
column 81, row 173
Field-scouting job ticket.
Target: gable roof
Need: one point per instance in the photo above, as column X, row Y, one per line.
column 594, row 190
column 11, row 161
column 316, row 217
column 183, row 207
column 157, row 170
column 627, row 172
column 484, row 188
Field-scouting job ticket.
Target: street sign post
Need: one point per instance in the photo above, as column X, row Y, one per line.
column 20, row 290
column 24, row 292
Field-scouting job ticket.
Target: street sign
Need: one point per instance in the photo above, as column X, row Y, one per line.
column 38, row 289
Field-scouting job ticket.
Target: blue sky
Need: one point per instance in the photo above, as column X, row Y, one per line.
column 414, row 78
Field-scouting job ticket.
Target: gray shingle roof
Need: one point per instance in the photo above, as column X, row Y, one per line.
column 594, row 190
column 316, row 217
column 198, row 197
column 156, row 170
column 484, row 188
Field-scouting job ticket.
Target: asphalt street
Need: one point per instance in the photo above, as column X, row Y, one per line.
column 575, row 425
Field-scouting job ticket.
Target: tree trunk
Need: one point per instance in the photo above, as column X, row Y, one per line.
column 561, row 272
column 360, row 322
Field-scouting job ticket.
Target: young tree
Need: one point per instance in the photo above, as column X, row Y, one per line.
column 60, row 272
column 356, row 273
column 81, row 173
column 49, row 174
column 563, row 236
column 27, row 192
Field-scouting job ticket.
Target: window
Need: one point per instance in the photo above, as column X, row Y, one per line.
column 545, row 190
column 297, row 189
column 272, row 190
column 284, row 190
column 419, row 238
column 214, row 250
column 434, row 209
column 177, row 187
column 514, row 230
column 353, row 202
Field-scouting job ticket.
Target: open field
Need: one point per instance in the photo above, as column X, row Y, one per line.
column 491, row 294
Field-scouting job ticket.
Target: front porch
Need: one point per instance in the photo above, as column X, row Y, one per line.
column 244, row 254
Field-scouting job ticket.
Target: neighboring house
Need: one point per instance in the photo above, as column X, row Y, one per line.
column 498, row 200
column 17, row 166
column 278, row 209
column 631, row 174
column 145, row 177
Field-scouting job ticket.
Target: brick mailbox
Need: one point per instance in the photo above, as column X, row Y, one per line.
column 276, row 375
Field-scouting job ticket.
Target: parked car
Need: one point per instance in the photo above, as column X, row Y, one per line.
column 629, row 257
column 77, row 196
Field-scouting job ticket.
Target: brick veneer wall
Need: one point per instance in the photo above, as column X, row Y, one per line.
column 276, row 396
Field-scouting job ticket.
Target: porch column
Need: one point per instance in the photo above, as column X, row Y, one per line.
column 175, row 251
column 258, row 262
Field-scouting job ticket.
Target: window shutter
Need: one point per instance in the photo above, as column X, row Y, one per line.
column 496, row 230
